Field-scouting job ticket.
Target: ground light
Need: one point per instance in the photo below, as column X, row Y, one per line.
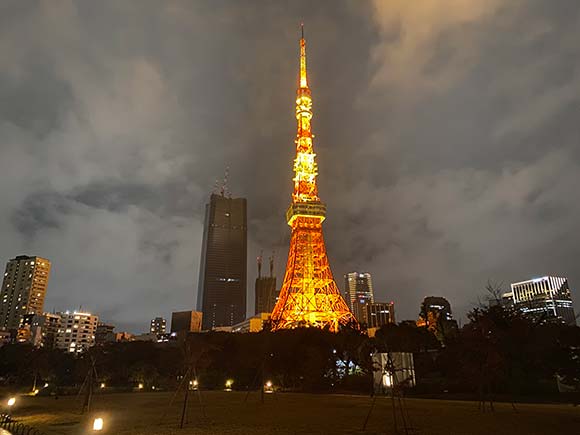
column 140, row 386
column 98, row 424
column 103, row 385
column 11, row 402
column 229, row 384
column 268, row 387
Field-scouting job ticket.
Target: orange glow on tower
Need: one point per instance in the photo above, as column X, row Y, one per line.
column 309, row 296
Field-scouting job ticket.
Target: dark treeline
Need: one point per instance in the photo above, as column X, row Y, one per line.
column 497, row 352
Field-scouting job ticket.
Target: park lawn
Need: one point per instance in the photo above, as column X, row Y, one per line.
column 148, row 413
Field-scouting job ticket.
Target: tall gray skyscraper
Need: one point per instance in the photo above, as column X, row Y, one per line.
column 359, row 293
column 222, row 275
column 23, row 289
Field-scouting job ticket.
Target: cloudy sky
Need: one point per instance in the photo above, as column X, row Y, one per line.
column 447, row 134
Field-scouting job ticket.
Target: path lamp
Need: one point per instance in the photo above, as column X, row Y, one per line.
column 268, row 387
column 98, row 424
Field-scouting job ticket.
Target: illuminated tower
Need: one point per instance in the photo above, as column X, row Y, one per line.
column 309, row 296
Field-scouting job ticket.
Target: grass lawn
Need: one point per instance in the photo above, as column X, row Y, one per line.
column 229, row 413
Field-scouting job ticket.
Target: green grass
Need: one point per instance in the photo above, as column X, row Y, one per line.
column 229, row 413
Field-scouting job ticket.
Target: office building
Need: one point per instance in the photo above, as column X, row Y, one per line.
column 23, row 289
column 380, row 313
column 252, row 324
column 186, row 321
column 222, row 275
column 265, row 289
column 436, row 316
column 158, row 326
column 546, row 299
column 359, row 293
column 76, row 332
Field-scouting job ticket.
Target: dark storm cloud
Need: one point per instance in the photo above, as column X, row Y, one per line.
column 445, row 132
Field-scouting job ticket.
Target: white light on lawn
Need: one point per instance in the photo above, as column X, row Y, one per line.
column 98, row 424
column 11, row 401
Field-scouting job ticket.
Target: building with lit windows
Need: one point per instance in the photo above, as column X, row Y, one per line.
column 380, row 313
column 158, row 326
column 436, row 316
column 359, row 293
column 39, row 329
column 221, row 292
column 23, row 289
column 77, row 331
column 546, row 298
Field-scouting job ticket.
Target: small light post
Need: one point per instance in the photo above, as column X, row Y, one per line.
column 229, row 384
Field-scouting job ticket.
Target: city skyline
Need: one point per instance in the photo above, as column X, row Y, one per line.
column 450, row 156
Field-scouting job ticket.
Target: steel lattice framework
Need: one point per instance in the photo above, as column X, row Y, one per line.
column 309, row 296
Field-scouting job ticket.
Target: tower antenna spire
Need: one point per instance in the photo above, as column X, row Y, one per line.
column 302, row 28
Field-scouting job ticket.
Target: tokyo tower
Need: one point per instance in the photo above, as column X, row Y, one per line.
column 309, row 297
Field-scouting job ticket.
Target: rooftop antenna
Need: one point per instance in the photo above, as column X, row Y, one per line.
column 272, row 264
column 302, row 29
column 259, row 261
column 224, row 189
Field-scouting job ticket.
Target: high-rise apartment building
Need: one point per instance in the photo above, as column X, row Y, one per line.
column 545, row 298
column 358, row 293
column 23, row 289
column 222, row 276
column 76, row 332
column 158, row 326
column 380, row 313
column 265, row 289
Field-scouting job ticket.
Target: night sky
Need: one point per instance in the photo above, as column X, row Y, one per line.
column 447, row 135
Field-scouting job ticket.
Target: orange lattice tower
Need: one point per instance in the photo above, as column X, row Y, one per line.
column 309, row 296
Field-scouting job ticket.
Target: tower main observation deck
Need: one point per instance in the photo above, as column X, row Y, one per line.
column 309, row 296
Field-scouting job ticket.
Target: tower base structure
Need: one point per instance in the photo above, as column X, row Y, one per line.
column 309, row 296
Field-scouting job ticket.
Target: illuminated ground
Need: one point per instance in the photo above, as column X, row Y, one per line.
column 227, row 413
